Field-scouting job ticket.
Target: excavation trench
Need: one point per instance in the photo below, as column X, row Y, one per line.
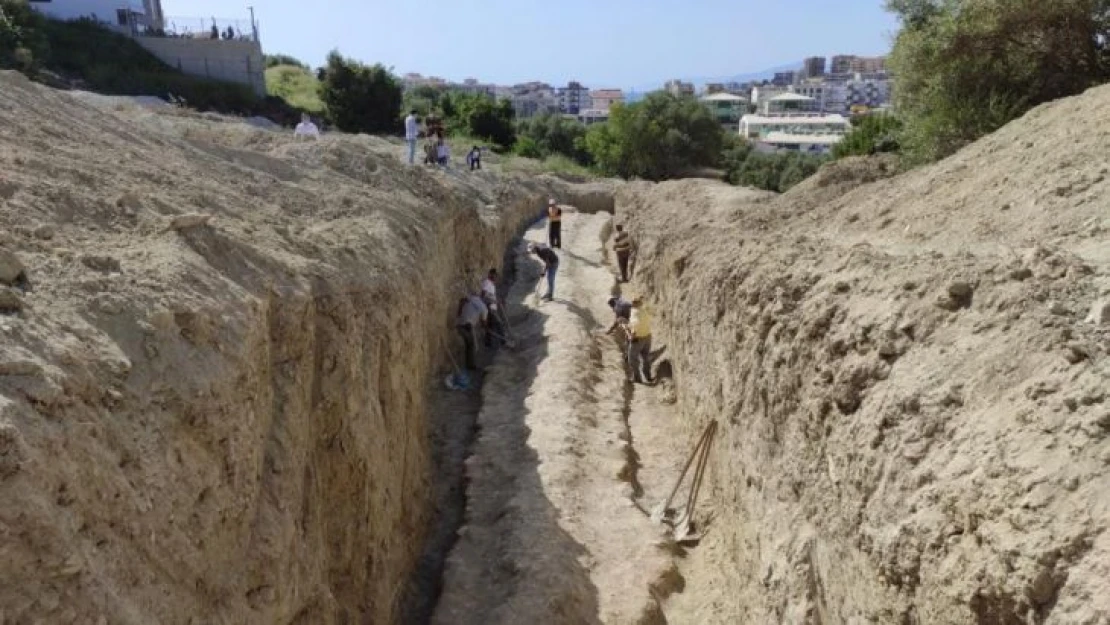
column 536, row 477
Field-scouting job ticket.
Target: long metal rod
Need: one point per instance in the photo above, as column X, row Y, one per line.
column 685, row 468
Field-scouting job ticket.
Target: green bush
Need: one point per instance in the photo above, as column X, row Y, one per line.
column 550, row 135
column 871, row 134
column 772, row 172
column 22, row 43
column 360, row 98
column 527, row 147
column 476, row 115
column 274, row 60
column 966, row 67
column 660, row 137
column 296, row 85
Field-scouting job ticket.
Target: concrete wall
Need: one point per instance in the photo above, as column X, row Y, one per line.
column 233, row 61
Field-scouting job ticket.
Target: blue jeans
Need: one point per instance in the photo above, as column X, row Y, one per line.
column 551, row 269
column 412, row 150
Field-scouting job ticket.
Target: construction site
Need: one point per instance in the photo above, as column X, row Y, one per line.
column 880, row 397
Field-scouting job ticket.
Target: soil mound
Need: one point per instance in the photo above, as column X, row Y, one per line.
column 215, row 346
column 911, row 377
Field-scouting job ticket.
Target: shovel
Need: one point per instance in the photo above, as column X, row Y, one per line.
column 659, row 513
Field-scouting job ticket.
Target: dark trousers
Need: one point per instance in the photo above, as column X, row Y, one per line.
column 467, row 333
column 494, row 327
column 555, row 234
column 475, row 164
column 622, row 262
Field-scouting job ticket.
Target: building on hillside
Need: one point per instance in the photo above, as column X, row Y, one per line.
column 784, row 79
column 867, row 65
column 872, row 94
column 813, row 67
column 121, row 15
column 474, row 87
column 814, row 132
column 726, row 107
column 841, row 64
column 679, row 88
column 602, row 99
column 787, row 103
column 592, row 116
column 573, row 98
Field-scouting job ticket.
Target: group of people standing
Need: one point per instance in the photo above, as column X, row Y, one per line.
column 436, row 149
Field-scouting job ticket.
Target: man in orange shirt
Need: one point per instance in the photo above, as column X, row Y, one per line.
column 554, row 224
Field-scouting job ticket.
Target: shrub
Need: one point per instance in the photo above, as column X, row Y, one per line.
column 870, row 134
column 360, row 98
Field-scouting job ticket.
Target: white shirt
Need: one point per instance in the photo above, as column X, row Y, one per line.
column 473, row 312
column 441, row 151
column 306, row 129
column 489, row 292
column 410, row 128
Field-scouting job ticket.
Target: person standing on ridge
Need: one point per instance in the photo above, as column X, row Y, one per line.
column 306, row 128
column 622, row 245
column 474, row 158
column 554, row 224
column 550, row 266
column 411, row 135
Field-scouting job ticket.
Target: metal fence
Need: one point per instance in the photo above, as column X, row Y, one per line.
column 203, row 28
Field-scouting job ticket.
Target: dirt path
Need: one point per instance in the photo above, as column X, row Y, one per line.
column 552, row 534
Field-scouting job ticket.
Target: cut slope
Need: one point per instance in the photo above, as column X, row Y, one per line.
column 915, row 425
column 221, row 423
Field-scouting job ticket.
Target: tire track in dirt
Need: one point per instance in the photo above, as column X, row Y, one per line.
column 552, row 534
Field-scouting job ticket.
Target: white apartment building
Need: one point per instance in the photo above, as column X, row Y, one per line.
column 809, row 132
column 573, row 98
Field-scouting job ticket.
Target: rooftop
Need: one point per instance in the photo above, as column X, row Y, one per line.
column 723, row 97
column 791, row 97
column 799, row 120
column 801, row 139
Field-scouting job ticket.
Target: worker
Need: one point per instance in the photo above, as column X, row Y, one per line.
column 474, row 158
column 638, row 331
column 554, row 224
column 550, row 266
column 411, row 134
column 488, row 291
column 306, row 128
column 470, row 314
column 622, row 311
column 622, row 245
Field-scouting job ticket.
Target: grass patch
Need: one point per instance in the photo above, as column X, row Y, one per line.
column 296, row 85
column 556, row 165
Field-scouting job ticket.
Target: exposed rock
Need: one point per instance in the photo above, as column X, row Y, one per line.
column 97, row 262
column 1100, row 313
column 10, row 302
column 190, row 220
column 11, row 268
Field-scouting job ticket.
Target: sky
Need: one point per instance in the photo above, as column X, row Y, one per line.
column 602, row 43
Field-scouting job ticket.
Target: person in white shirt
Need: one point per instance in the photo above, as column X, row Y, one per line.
column 411, row 135
column 471, row 314
column 306, row 128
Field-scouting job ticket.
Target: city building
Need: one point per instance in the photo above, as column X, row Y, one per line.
column 726, row 107
column 841, row 64
column 784, row 79
column 852, row 64
column 871, row 94
column 787, row 103
column 602, row 99
column 813, row 67
column 473, row 86
column 678, row 88
column 592, row 116
column 573, row 98
column 806, row 132
column 760, row 94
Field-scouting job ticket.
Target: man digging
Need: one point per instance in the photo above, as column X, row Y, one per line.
column 638, row 331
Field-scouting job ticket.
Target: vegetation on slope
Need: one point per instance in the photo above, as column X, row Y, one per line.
column 296, row 84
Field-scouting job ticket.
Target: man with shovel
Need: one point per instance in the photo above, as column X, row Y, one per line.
column 550, row 266
column 638, row 331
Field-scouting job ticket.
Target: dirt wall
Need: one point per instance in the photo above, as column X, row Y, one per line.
column 221, row 423
column 911, row 379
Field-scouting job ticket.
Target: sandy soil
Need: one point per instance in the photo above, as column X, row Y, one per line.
column 911, row 374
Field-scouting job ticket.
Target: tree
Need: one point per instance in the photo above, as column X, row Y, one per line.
column 966, row 67
column 23, row 45
column 360, row 98
column 551, row 134
column 658, row 138
column 480, row 116
column 872, row 134
column 274, row 60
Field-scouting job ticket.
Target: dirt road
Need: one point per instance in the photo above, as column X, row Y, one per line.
column 552, row 532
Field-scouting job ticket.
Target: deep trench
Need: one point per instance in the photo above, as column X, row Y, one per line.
column 453, row 421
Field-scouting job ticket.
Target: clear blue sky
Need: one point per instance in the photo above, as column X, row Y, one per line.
column 617, row 43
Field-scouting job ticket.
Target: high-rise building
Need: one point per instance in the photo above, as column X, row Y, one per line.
column 841, row 64
column 678, row 88
column 813, row 67
column 573, row 98
column 784, row 79
column 868, row 64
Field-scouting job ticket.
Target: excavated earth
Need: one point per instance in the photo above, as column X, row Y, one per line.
column 222, row 356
